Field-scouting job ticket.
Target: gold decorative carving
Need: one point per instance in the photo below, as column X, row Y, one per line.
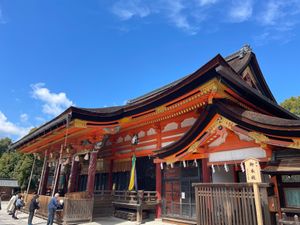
column 221, row 121
column 125, row 120
column 295, row 144
column 79, row 123
column 193, row 147
column 161, row 109
column 258, row 137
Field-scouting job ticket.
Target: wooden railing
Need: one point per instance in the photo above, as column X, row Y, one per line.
column 229, row 204
column 77, row 207
column 139, row 201
column 81, row 206
column 285, row 220
column 102, row 204
column 134, row 197
column 77, row 210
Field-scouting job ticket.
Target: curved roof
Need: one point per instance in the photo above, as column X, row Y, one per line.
column 249, row 120
column 226, row 71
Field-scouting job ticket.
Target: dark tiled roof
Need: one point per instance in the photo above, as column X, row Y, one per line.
column 262, row 118
column 238, row 61
column 104, row 110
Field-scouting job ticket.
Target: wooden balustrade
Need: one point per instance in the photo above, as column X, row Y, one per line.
column 81, row 206
column 230, row 204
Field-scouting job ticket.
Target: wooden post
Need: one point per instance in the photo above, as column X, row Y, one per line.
column 45, row 181
column 158, row 190
column 57, row 172
column 110, row 175
column 30, row 178
column 158, row 176
column 92, row 172
column 206, row 177
column 140, row 198
column 73, row 175
column 42, row 178
column 253, row 174
column 257, row 204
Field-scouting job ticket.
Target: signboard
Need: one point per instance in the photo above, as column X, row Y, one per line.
column 253, row 173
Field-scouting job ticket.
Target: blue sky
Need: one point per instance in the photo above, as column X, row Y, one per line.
column 97, row 53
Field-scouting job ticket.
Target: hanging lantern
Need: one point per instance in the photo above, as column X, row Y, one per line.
column 184, row 163
column 86, row 157
column 226, row 168
column 172, row 165
column 213, row 168
column 161, row 166
column 195, row 162
column 51, row 155
column 76, row 158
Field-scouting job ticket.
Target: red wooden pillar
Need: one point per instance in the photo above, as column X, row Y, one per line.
column 206, row 176
column 73, row 176
column 158, row 189
column 92, row 172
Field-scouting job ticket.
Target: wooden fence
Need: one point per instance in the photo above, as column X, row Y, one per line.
column 229, row 204
column 77, row 207
column 102, row 204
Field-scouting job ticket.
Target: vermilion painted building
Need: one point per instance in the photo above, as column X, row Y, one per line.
column 196, row 129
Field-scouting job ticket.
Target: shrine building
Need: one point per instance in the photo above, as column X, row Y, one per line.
column 196, row 129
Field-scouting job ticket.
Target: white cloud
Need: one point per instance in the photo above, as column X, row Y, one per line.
column 279, row 13
column 2, row 20
column 24, row 117
column 207, row 2
column 178, row 17
column 128, row 9
column 241, row 10
column 273, row 18
column 54, row 103
column 8, row 128
column 278, row 18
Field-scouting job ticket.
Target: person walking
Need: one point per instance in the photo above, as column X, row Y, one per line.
column 34, row 204
column 11, row 204
column 14, row 207
column 52, row 207
column 19, row 205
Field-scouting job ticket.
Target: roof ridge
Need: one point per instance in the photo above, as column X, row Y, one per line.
column 240, row 53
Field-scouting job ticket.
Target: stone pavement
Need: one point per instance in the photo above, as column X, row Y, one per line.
column 5, row 219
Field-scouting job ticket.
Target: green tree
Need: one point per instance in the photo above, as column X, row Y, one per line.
column 4, row 144
column 18, row 166
column 8, row 162
column 292, row 104
column 23, row 169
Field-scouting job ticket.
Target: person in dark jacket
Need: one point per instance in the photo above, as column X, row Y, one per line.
column 52, row 207
column 34, row 204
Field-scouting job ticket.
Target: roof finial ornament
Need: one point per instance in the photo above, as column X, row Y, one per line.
column 244, row 50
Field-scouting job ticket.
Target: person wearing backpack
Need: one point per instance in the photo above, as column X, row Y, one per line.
column 19, row 204
column 34, row 204
column 14, row 206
